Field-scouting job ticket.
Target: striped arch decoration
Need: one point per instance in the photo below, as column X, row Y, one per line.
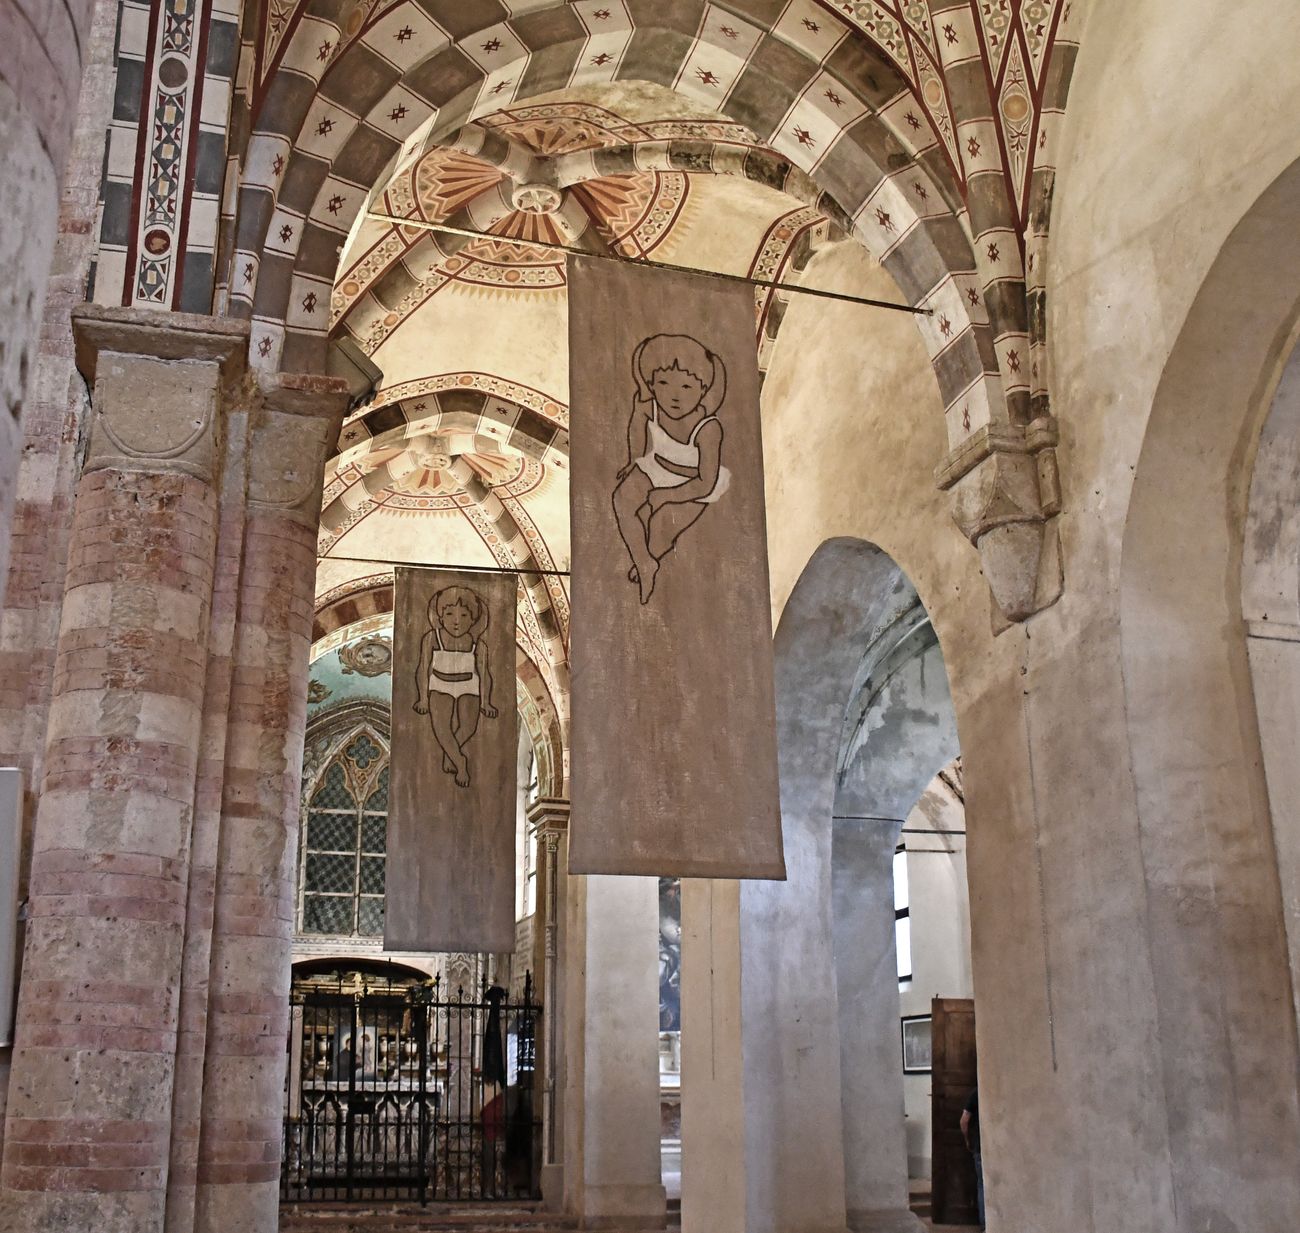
column 919, row 123
column 246, row 139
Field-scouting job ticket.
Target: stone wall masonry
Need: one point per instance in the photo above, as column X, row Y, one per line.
column 42, row 47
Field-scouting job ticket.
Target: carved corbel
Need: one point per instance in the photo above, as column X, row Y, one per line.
column 1006, row 493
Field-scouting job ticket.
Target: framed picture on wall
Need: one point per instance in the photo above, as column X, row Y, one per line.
column 916, row 1044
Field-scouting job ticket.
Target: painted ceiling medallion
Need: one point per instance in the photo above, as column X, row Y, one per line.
column 367, row 657
column 537, row 198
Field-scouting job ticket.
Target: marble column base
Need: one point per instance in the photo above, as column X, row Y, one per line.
column 886, row 1220
column 618, row 1206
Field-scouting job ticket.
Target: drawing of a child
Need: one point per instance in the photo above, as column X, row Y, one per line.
column 453, row 679
column 674, row 444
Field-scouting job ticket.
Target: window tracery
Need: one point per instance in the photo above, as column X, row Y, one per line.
column 345, row 827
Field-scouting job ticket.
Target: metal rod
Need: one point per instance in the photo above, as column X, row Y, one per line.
column 470, row 569
column 654, row 265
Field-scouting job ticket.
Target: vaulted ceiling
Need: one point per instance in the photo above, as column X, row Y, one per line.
column 461, row 456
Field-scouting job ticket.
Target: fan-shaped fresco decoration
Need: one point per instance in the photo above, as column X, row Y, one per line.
column 368, row 656
column 447, row 180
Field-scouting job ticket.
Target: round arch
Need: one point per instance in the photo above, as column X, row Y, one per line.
column 312, row 162
column 850, row 601
column 1203, row 809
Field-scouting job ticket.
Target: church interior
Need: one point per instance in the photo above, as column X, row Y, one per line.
column 290, row 334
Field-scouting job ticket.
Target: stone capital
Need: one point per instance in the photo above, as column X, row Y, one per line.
column 294, row 424
column 549, row 815
column 159, row 382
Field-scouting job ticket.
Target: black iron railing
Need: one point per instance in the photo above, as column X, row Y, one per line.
column 399, row 1092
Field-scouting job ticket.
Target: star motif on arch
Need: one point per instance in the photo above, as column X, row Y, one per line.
column 323, row 52
column 912, row 121
column 286, row 233
column 277, row 164
column 325, row 126
column 309, row 302
column 248, row 271
column 601, row 14
column 803, row 136
column 1013, row 361
column 834, row 98
column 492, row 45
column 707, row 76
column 501, row 85
column 965, row 417
column 264, row 346
column 950, row 34
column 974, row 297
column 993, row 251
column 811, row 26
column 882, row 217
column 1042, row 140
column 602, row 59
column 403, row 34
column 730, row 31
column 973, row 148
column 945, row 327
column 335, row 204
column 921, row 191
column 398, row 112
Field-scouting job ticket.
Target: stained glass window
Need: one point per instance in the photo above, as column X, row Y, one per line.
column 344, row 839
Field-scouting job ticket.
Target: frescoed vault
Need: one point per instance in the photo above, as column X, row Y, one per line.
column 741, row 137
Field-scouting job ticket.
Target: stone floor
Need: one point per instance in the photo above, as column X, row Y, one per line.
column 488, row 1218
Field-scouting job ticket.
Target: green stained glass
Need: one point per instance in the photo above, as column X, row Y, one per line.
column 378, row 800
column 331, row 832
column 330, row 874
column 327, row 914
column 374, row 834
column 372, row 875
column 370, row 916
column 333, row 792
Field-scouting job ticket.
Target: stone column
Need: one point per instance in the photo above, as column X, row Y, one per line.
column 191, row 1047
column 613, row 1173
column 248, row 1013
column 713, row 1105
column 549, row 820
column 866, row 979
column 89, row 1118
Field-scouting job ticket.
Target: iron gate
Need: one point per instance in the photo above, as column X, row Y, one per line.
column 396, row 1092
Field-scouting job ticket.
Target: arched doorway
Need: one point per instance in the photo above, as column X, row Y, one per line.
column 819, row 949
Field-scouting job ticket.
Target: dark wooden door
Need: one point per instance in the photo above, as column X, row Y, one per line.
column 952, row 1079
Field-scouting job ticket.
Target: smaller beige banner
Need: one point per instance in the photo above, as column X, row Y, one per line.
column 450, row 882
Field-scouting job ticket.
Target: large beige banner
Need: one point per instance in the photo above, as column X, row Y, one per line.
column 674, row 736
column 451, row 822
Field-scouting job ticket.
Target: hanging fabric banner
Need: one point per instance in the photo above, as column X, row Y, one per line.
column 450, row 883
column 673, row 763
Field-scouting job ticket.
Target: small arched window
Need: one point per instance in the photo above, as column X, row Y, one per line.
column 344, row 840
